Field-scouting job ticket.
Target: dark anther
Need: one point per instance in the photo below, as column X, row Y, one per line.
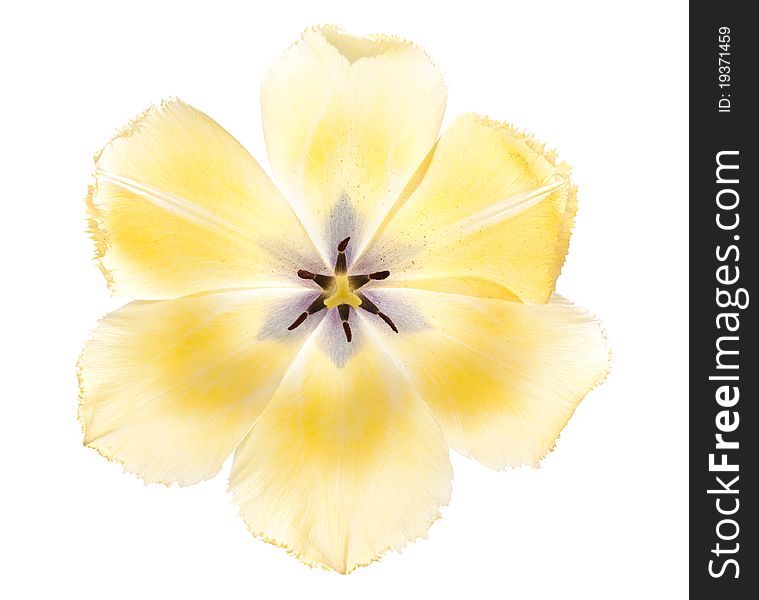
column 314, row 307
column 298, row 321
column 344, row 311
column 371, row 307
column 387, row 320
column 341, row 264
column 325, row 282
column 359, row 281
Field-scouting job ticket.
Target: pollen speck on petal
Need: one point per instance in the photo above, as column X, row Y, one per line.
column 492, row 205
column 349, row 120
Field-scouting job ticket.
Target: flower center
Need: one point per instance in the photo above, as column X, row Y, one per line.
column 340, row 291
column 343, row 294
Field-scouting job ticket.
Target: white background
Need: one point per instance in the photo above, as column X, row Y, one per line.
column 605, row 517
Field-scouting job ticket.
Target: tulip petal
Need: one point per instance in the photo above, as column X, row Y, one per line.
column 168, row 388
column 502, row 378
column 346, row 461
column 179, row 207
column 488, row 204
column 347, row 121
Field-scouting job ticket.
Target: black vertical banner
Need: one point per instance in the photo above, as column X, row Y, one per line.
column 724, row 259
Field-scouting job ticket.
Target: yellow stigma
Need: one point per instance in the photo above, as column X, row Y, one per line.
column 342, row 294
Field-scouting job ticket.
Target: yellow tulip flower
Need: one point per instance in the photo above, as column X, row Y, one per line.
column 397, row 300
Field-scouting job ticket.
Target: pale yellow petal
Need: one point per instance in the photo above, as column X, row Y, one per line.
column 502, row 378
column 347, row 121
column 179, row 206
column 168, row 388
column 346, row 461
column 488, row 204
